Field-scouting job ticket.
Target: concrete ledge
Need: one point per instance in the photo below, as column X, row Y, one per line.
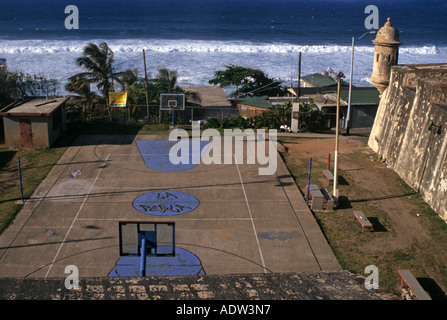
column 329, row 285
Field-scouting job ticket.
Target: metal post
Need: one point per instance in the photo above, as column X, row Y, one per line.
column 308, row 181
column 20, row 179
column 145, row 85
column 348, row 116
column 335, row 191
column 291, row 77
column 299, row 77
column 143, row 258
column 173, row 239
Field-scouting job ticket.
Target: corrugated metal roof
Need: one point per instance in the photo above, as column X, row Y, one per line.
column 319, row 80
column 34, row 106
column 211, row 96
column 258, row 102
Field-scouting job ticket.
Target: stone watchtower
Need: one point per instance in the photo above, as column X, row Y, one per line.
column 385, row 55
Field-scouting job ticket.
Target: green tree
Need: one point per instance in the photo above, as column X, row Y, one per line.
column 247, row 81
column 127, row 78
column 18, row 85
column 81, row 86
column 97, row 61
column 310, row 117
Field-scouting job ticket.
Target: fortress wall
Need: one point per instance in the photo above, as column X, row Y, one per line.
column 415, row 98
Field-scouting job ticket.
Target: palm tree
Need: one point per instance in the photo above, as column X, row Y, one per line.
column 127, row 78
column 78, row 84
column 97, row 60
column 166, row 82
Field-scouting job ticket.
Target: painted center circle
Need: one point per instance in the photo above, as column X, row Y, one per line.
column 165, row 203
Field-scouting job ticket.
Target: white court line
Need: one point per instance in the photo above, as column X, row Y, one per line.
column 155, row 154
column 76, row 216
column 169, row 187
column 177, row 219
column 251, row 216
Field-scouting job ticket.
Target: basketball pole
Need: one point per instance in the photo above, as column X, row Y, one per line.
column 143, row 258
column 173, row 117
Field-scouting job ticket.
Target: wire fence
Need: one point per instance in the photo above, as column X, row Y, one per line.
column 151, row 114
column 214, row 116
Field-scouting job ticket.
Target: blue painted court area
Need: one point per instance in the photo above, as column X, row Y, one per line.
column 165, row 203
column 155, row 153
column 184, row 263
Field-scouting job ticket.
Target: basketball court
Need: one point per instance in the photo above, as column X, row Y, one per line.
column 227, row 218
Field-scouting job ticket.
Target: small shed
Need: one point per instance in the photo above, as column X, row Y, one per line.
column 34, row 122
column 214, row 103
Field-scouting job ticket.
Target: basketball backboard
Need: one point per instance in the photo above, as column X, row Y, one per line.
column 172, row 101
column 160, row 238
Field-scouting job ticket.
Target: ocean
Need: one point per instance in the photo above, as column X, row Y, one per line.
column 198, row 37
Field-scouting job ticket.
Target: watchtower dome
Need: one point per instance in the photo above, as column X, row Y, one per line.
column 386, row 54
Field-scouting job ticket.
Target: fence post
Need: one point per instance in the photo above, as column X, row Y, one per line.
column 20, row 179
column 308, row 181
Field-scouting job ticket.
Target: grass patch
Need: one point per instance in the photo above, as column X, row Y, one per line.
column 425, row 256
column 35, row 165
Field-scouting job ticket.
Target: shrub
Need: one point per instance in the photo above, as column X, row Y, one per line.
column 212, row 123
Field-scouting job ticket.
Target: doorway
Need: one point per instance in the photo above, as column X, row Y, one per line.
column 26, row 134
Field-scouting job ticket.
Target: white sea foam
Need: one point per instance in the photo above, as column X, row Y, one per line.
column 197, row 46
column 197, row 60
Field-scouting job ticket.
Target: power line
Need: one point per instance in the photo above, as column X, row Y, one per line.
column 138, row 56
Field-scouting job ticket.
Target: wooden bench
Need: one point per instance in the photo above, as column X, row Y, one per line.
column 329, row 199
column 363, row 220
column 328, row 175
column 317, row 198
column 411, row 282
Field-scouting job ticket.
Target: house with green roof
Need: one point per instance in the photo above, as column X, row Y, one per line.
column 250, row 106
column 318, row 80
column 364, row 104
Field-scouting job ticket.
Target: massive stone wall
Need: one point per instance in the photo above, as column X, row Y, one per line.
column 409, row 131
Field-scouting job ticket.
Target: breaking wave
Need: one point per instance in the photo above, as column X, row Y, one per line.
column 193, row 46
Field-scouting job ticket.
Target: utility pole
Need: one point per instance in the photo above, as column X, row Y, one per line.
column 291, row 77
column 299, row 77
column 145, row 85
column 348, row 116
column 335, row 191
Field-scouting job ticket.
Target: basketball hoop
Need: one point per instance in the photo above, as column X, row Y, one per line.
column 172, row 102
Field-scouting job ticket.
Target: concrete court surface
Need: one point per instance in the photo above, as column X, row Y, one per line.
column 244, row 223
